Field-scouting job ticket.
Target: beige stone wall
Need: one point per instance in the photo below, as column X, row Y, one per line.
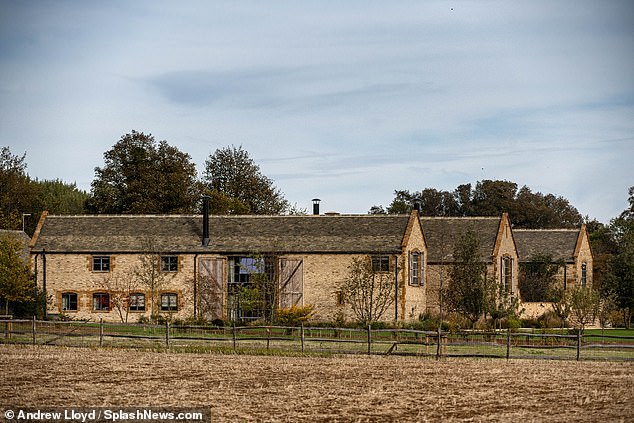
column 73, row 273
column 413, row 299
column 506, row 247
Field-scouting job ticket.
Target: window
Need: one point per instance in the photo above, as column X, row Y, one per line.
column 506, row 274
column 380, row 263
column 101, row 263
column 136, row 302
column 416, row 269
column 101, row 301
column 169, row 263
column 169, row 302
column 69, row 301
column 584, row 274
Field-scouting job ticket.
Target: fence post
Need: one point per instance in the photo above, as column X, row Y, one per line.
column 34, row 340
column 369, row 339
column 268, row 338
column 439, row 341
column 167, row 333
column 508, row 342
column 578, row 343
column 234, row 337
column 302, row 336
column 101, row 332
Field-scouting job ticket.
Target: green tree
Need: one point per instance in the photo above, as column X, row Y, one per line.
column 490, row 198
column 144, row 176
column 17, row 192
column 469, row 290
column 619, row 282
column 15, row 278
column 237, row 186
column 537, row 278
column 58, row 197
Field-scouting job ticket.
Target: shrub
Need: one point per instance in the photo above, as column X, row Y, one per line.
column 295, row 315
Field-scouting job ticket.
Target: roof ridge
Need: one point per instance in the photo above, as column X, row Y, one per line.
column 546, row 230
column 462, row 217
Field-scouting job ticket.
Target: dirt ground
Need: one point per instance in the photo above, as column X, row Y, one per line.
column 349, row 388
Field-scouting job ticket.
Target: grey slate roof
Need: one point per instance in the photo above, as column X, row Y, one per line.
column 558, row 243
column 442, row 233
column 23, row 238
column 228, row 234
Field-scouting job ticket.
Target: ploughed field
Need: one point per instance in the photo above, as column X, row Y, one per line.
column 342, row 388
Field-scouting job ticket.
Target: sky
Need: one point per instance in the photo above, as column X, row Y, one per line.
column 344, row 101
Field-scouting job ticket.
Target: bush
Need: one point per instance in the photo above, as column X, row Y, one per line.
column 294, row 316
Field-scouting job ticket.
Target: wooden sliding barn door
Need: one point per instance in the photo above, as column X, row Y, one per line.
column 291, row 282
column 211, row 287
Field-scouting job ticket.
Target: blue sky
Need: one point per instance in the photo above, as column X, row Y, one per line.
column 345, row 101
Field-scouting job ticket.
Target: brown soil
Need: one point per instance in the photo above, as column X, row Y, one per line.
column 349, row 388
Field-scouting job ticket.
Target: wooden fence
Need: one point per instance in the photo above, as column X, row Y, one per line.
column 321, row 340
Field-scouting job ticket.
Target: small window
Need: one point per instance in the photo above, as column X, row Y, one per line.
column 380, row 263
column 101, row 263
column 136, row 302
column 169, row 263
column 101, row 301
column 69, row 301
column 584, row 274
column 169, row 302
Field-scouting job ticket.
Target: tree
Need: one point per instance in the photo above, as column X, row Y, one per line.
column 537, row 278
column 148, row 274
column 367, row 291
column 234, row 178
column 15, row 278
column 143, row 176
column 584, row 306
column 469, row 290
column 17, row 192
column 491, row 198
column 120, row 289
column 619, row 282
column 58, row 197
column 561, row 303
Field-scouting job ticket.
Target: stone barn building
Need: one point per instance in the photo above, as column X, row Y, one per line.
column 568, row 247
column 123, row 267
column 497, row 250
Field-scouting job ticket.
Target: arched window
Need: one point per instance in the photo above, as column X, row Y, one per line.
column 584, row 274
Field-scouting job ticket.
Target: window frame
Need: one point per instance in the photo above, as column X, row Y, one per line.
column 584, row 274
column 506, row 273
column 101, row 263
column 67, row 295
column 171, row 308
column 416, row 268
column 380, row 263
column 169, row 264
column 133, row 305
column 98, row 302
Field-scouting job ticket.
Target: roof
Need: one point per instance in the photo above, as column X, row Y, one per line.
column 442, row 233
column 559, row 244
column 228, row 234
column 23, row 238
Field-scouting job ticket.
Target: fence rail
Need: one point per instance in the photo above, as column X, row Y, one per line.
column 502, row 344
